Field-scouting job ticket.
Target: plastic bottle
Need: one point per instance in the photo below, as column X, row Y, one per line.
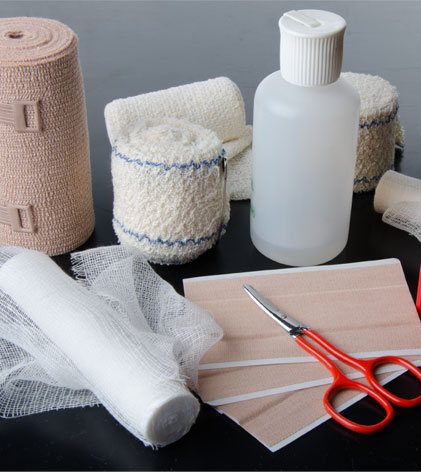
column 304, row 145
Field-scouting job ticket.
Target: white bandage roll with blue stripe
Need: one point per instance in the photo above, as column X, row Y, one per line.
column 169, row 179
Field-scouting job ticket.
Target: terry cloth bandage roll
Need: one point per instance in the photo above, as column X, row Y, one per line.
column 398, row 197
column 45, row 179
column 169, row 189
column 215, row 104
column 379, row 129
column 122, row 337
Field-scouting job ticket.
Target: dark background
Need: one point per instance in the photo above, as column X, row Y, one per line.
column 128, row 48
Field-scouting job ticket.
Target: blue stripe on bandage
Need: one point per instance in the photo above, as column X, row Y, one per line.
column 166, row 167
column 177, row 242
column 365, row 180
column 380, row 123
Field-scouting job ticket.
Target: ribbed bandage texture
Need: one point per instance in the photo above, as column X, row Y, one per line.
column 48, row 170
column 216, row 104
column 169, row 189
column 379, row 129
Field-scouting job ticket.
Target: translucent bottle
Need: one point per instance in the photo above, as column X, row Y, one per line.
column 304, row 145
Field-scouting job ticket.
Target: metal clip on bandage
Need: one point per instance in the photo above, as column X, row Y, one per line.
column 224, row 168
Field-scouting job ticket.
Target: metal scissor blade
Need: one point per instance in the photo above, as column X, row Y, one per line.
column 291, row 326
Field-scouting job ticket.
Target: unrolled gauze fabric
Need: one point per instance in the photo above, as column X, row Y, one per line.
column 215, row 104
column 398, row 197
column 121, row 337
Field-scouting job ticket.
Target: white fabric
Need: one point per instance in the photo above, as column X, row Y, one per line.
column 394, row 188
column 234, row 147
column 398, row 197
column 405, row 216
column 215, row 104
column 170, row 198
column 122, row 337
column 239, row 175
column 239, row 155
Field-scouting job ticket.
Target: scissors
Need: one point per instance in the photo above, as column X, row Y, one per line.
column 340, row 381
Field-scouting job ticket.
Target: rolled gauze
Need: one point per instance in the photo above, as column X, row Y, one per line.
column 45, row 178
column 395, row 188
column 124, row 335
column 398, row 197
column 170, row 197
column 379, row 129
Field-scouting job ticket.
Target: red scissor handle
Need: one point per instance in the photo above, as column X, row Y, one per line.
column 341, row 382
column 370, row 366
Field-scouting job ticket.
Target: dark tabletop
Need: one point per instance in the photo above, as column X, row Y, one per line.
column 128, row 48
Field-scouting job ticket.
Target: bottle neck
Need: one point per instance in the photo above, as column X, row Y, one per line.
column 308, row 86
column 311, row 61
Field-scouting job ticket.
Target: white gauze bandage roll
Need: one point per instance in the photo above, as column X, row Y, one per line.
column 170, row 197
column 398, row 197
column 215, row 104
column 122, row 338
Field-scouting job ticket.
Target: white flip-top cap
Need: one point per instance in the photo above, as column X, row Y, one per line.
column 311, row 46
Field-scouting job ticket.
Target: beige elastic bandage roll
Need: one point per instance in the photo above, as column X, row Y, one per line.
column 45, row 177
